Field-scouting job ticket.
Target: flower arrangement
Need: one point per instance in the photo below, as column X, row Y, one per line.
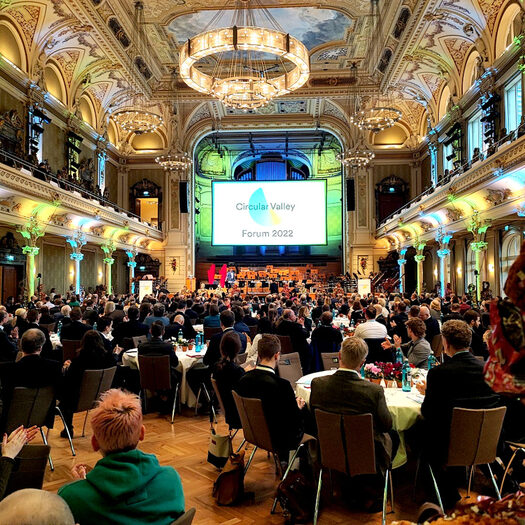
column 391, row 371
column 373, row 371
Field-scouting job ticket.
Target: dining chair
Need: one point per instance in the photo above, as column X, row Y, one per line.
column 30, row 468
column 330, row 360
column 289, row 368
column 286, row 344
column 70, row 349
column 186, row 518
column 139, row 339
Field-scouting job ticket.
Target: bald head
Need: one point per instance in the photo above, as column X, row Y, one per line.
column 34, row 507
column 179, row 319
column 424, row 313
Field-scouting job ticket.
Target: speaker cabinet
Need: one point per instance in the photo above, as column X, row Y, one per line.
column 183, row 197
column 350, row 195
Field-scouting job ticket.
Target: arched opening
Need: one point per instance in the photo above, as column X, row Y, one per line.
column 391, row 194
column 509, row 27
column 394, row 136
column 271, row 166
column 54, row 83
column 11, row 48
column 470, row 71
column 112, row 133
column 443, row 102
column 510, row 250
column 401, row 23
column 87, row 111
column 148, row 142
column 146, row 200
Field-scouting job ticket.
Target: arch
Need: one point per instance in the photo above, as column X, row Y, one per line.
column 510, row 249
column 394, row 136
column 509, row 27
column 55, row 84
column 401, row 23
column 112, row 133
column 469, row 71
column 87, row 110
column 443, row 102
column 11, row 45
column 148, row 142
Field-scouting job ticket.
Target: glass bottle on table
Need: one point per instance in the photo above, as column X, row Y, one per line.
column 431, row 360
column 59, row 328
column 406, row 376
column 180, row 336
column 399, row 356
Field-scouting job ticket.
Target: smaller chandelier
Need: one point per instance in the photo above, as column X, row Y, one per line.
column 174, row 161
column 137, row 121
column 244, row 92
column 356, row 157
column 376, row 119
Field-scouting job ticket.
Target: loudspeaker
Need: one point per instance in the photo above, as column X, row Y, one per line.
column 350, row 195
column 183, row 197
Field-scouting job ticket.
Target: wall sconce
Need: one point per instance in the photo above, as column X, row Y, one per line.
column 435, row 273
column 459, row 270
column 491, row 268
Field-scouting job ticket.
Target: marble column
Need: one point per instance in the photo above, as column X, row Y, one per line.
column 443, row 252
column 31, row 252
column 77, row 242
column 31, row 232
column 132, row 264
column 402, row 261
column 108, row 250
column 419, row 258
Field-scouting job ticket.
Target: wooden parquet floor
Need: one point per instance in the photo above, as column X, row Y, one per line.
column 184, row 446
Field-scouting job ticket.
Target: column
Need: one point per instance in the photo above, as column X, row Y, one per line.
column 132, row 264
column 31, row 232
column 478, row 227
column 77, row 242
column 419, row 258
column 402, row 261
column 108, row 250
column 433, row 150
column 101, row 166
column 443, row 239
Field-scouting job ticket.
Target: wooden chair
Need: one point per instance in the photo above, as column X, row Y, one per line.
column 31, row 407
column 474, row 436
column 186, row 518
column 330, row 360
column 256, row 432
column 240, row 359
column 50, row 327
column 515, row 447
column 209, row 331
column 31, row 467
column 437, row 347
column 221, row 402
column 155, row 375
column 70, row 349
column 286, row 344
column 346, row 444
column 139, row 339
column 289, row 368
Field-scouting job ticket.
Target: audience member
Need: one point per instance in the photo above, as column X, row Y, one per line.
column 371, row 329
column 418, row 349
column 75, row 330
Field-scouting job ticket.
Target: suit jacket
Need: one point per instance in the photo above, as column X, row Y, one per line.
column 417, row 352
column 459, row 382
column 8, row 348
column 324, row 336
column 432, row 329
column 280, row 408
column 299, row 343
column 400, row 329
column 172, row 330
column 117, row 316
column 477, row 345
column 47, row 349
column 189, row 331
column 159, row 347
column 346, row 393
column 129, row 329
column 213, row 354
column 74, row 331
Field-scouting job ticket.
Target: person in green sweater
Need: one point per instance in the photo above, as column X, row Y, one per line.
column 126, row 486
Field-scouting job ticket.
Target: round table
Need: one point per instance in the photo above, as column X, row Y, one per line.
column 186, row 361
column 405, row 407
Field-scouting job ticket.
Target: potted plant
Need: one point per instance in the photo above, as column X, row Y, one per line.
column 183, row 343
column 373, row 373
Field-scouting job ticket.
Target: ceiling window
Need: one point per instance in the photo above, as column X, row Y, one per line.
column 513, row 104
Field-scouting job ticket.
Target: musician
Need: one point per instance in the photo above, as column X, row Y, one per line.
column 230, row 278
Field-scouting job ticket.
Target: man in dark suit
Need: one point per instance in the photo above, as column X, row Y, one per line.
column 345, row 392
column 33, row 318
column 213, row 354
column 477, row 345
column 188, row 327
column 325, row 335
column 248, row 319
column 289, row 326
column 62, row 316
column 8, row 349
column 397, row 322
column 130, row 328
column 431, row 324
column 459, row 382
column 75, row 330
column 177, row 324
column 281, row 409
column 156, row 346
column 190, row 312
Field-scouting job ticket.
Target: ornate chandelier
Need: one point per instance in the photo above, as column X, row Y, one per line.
column 376, row 118
column 358, row 156
column 244, row 76
column 137, row 120
column 174, row 161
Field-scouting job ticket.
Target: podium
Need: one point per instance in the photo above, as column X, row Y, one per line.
column 191, row 284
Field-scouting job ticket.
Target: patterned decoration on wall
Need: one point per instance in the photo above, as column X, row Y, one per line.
column 331, row 54
column 27, row 16
column 174, row 209
column 175, row 264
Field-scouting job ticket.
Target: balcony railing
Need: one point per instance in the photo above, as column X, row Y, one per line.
column 465, row 167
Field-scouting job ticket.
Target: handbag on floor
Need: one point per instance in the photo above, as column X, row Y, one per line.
column 296, row 495
column 219, row 449
column 228, row 488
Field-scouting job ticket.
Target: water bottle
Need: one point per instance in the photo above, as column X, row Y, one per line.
column 363, row 371
column 95, row 325
column 431, row 360
column 399, row 356
column 407, row 387
column 180, row 337
column 352, row 323
column 198, row 342
column 59, row 328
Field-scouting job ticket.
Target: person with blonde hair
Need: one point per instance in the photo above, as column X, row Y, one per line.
column 126, row 486
column 435, row 309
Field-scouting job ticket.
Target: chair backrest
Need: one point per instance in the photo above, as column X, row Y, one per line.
column 29, row 474
column 29, row 406
column 155, row 372
column 94, row 383
column 346, row 442
column 254, row 426
column 186, row 518
column 289, row 367
column 376, row 353
column 218, row 395
column 330, row 361
column 253, row 331
column 70, row 349
column 139, row 339
column 437, row 346
column 50, row 327
column 210, row 331
column 240, row 359
column 127, row 343
column 474, row 436
column 286, row 344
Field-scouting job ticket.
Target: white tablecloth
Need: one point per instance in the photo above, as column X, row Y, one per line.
column 404, row 407
column 186, row 361
column 55, row 340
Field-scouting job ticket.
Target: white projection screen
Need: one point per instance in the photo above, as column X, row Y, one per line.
column 271, row 213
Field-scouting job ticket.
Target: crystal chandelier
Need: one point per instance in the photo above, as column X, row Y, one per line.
column 174, row 161
column 136, row 116
column 244, row 77
column 358, row 156
column 376, row 118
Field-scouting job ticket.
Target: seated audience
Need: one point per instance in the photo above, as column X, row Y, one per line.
column 157, row 346
column 8, row 342
column 431, row 325
column 327, row 338
column 213, row 353
column 288, row 325
column 157, row 315
column 418, row 350
column 126, row 486
column 176, row 325
column 33, row 318
column 477, row 345
column 281, row 409
column 240, row 325
column 371, row 329
column 212, row 320
column 227, row 374
column 35, row 507
column 130, row 328
column 75, row 330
